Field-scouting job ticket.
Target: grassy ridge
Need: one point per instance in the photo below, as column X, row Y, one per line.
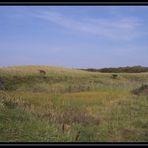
column 71, row 105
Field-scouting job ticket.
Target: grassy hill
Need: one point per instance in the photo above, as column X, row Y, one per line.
column 55, row 104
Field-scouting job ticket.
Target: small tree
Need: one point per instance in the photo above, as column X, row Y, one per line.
column 114, row 76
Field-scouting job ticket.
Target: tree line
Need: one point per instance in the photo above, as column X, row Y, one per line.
column 127, row 69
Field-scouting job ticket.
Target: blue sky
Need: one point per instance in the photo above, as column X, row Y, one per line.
column 74, row 36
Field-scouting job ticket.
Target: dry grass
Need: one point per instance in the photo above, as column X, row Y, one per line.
column 73, row 105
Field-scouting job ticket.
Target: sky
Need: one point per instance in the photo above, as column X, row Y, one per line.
column 74, row 36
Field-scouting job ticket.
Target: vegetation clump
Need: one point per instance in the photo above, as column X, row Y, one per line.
column 114, row 76
column 2, row 87
column 142, row 90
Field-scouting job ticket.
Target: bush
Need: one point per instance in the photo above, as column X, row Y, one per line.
column 114, row 76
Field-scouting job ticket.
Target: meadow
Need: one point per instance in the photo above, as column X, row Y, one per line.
column 70, row 105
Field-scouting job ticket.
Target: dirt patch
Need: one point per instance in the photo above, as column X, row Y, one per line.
column 143, row 90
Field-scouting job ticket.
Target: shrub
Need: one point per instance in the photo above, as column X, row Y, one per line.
column 114, row 76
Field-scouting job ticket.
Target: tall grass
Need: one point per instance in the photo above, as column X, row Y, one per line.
column 68, row 105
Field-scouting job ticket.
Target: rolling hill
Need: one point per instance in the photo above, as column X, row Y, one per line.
column 55, row 104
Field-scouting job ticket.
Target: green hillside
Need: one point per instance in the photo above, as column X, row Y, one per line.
column 55, row 104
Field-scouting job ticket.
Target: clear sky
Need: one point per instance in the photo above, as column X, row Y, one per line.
column 74, row 36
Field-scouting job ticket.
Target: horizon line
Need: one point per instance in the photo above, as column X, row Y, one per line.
column 72, row 67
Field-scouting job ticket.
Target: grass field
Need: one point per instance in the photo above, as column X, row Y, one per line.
column 69, row 105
